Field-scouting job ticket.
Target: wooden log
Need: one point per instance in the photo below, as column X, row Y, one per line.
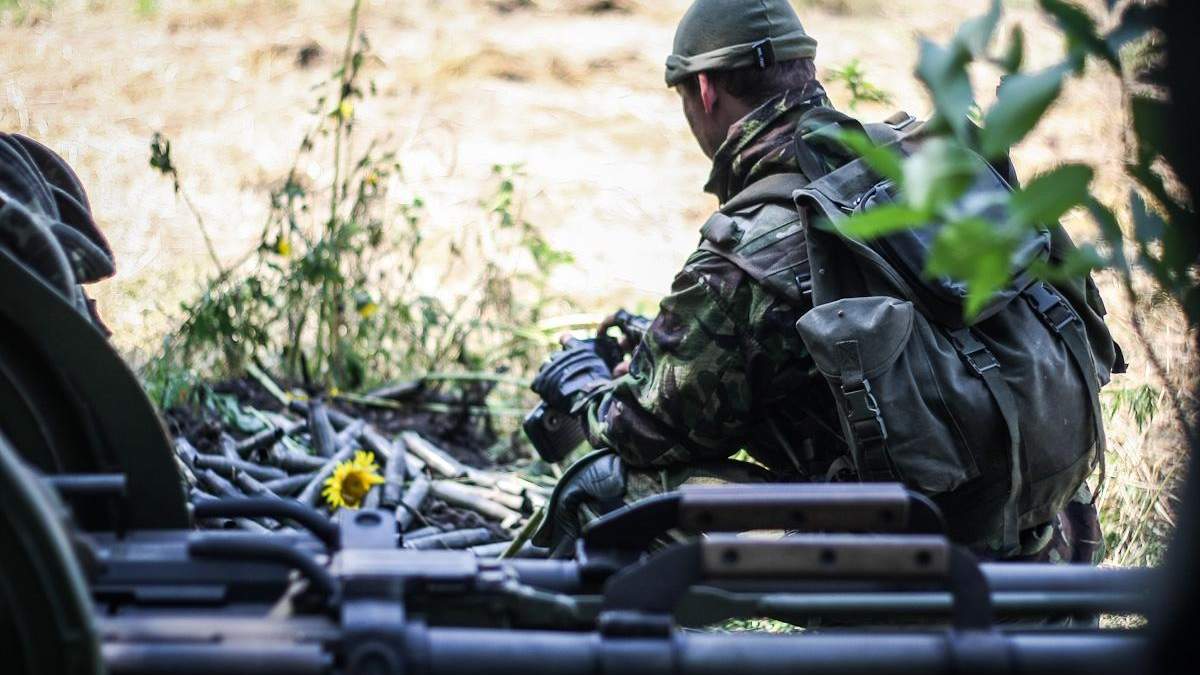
column 514, row 502
column 410, row 503
column 185, row 450
column 456, row 540
column 434, row 457
column 519, row 486
column 392, row 489
column 228, row 446
column 286, row 487
column 255, row 489
column 461, row 496
column 381, row 445
column 492, row 550
column 349, row 435
column 320, row 429
column 312, row 492
column 294, row 462
column 259, row 441
column 226, row 467
column 215, row 484
column 427, row 531
column 398, row 390
column 251, row 486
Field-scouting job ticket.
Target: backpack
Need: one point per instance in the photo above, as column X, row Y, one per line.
column 998, row 421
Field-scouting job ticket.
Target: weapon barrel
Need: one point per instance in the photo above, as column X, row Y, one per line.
column 215, row 659
column 466, row 650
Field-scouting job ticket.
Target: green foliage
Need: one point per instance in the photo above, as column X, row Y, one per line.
column 1141, row 403
column 979, row 251
column 854, row 78
column 1021, row 102
column 1049, row 196
column 346, row 279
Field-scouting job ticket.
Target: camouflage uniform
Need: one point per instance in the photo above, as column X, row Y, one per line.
column 723, row 368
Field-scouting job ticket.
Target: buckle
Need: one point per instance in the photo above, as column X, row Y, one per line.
column 973, row 352
column 863, row 414
column 1050, row 307
column 764, row 53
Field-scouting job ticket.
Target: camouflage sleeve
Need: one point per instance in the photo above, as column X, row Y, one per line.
column 687, row 395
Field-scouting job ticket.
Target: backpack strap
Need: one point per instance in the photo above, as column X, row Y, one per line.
column 1062, row 320
column 868, row 434
column 984, row 363
column 893, row 129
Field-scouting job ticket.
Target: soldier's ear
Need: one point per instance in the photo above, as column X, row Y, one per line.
column 708, row 93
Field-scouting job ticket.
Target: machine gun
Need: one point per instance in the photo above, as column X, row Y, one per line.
column 102, row 569
column 344, row 598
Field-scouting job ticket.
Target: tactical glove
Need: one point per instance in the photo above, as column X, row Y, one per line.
column 593, row 486
column 570, row 374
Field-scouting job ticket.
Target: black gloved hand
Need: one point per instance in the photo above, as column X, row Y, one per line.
column 569, row 374
column 596, row 482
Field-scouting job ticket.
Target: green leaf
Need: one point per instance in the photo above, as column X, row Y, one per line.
column 1076, row 264
column 1014, row 55
column 976, row 34
column 1080, row 30
column 883, row 220
column 938, row 173
column 1110, row 229
column 975, row 251
column 884, row 160
column 1021, row 101
column 944, row 72
column 1047, row 197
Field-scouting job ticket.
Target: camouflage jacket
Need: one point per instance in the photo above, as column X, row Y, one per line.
column 722, row 368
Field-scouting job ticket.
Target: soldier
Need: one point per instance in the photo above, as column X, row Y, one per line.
column 722, row 368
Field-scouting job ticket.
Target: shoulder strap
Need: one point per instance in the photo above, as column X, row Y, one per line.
column 774, row 189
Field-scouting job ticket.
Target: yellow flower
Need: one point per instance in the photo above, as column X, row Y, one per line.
column 367, row 310
column 351, row 481
column 282, row 247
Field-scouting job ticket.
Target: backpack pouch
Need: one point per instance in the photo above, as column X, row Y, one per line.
column 903, row 393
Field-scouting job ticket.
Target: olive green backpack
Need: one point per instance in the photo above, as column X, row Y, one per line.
column 998, row 420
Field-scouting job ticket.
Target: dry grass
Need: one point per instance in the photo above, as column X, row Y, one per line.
column 570, row 88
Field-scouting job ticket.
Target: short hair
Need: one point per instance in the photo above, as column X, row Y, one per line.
column 753, row 86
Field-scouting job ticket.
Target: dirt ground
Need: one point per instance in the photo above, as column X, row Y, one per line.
column 571, row 89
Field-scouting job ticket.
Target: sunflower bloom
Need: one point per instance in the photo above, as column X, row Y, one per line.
column 351, row 481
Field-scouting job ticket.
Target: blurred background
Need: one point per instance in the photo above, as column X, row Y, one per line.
column 567, row 95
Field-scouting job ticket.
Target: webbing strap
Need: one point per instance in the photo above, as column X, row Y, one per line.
column 868, row 434
column 1058, row 316
column 985, row 365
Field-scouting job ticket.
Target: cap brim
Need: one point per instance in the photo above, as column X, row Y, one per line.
column 794, row 45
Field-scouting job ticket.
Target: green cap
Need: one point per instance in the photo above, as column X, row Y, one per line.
column 727, row 34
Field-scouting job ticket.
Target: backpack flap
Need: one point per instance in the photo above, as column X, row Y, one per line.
column 873, row 351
